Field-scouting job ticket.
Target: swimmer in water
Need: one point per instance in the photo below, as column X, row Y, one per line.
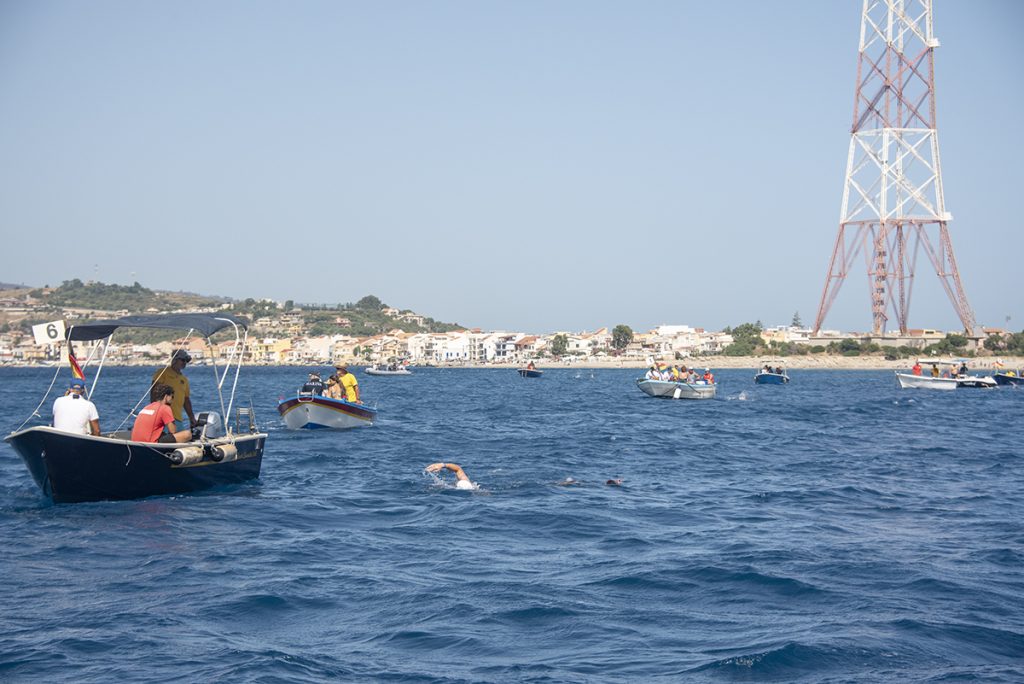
column 615, row 482
column 462, row 480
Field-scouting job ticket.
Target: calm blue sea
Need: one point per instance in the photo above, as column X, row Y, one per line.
column 833, row 530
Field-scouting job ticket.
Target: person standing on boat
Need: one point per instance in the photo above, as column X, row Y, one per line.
column 149, row 426
column 348, row 383
column 462, row 480
column 916, row 370
column 74, row 413
column 963, row 370
column 935, row 370
column 173, row 377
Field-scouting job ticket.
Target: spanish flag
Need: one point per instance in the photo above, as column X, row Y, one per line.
column 76, row 370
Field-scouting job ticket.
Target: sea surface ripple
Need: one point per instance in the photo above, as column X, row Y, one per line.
column 834, row 530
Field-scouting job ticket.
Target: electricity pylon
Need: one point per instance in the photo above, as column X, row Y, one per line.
column 893, row 205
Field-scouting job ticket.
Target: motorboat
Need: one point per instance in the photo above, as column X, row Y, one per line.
column 530, row 372
column 911, row 381
column 70, row 467
column 311, row 411
column 387, row 369
column 1008, row 378
column 772, row 373
column 954, row 377
column 677, row 390
column 976, row 381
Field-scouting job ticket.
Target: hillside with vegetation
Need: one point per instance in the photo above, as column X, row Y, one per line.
column 364, row 317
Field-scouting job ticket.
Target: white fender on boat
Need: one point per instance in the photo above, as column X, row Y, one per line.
column 186, row 455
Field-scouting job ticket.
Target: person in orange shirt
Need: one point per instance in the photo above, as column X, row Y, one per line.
column 149, row 426
column 916, row 370
column 708, row 377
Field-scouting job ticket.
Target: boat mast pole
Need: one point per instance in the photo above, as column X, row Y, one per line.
column 99, row 369
column 216, row 376
column 238, row 368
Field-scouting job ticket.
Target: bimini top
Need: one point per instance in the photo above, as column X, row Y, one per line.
column 207, row 324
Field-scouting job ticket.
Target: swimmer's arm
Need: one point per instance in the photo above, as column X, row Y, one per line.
column 454, row 467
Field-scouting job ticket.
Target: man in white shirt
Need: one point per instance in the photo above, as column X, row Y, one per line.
column 74, row 413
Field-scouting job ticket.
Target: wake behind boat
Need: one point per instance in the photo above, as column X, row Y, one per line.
column 71, row 467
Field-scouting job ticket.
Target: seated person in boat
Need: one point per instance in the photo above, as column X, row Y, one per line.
column 462, row 480
column 531, row 366
column 74, row 413
column 333, row 389
column 314, row 385
column 653, row 374
column 708, row 377
column 348, row 383
column 778, row 370
column 156, row 422
column 767, row 368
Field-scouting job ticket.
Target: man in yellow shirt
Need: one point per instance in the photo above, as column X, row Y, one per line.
column 173, row 377
column 348, row 382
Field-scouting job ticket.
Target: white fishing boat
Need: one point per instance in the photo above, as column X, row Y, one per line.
column 677, row 390
column 953, row 377
column 911, row 381
column 391, row 368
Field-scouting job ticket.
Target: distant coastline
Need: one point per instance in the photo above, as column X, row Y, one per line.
column 806, row 362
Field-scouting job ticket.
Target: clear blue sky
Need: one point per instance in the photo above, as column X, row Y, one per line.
column 518, row 165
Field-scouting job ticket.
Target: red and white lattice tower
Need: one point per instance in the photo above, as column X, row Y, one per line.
column 893, row 205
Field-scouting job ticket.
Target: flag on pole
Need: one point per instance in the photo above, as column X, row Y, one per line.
column 76, row 370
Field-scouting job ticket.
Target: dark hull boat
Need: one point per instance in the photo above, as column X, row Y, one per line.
column 1006, row 379
column 71, row 468
column 764, row 378
column 530, row 372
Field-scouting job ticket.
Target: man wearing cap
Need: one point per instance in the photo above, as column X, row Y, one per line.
column 173, row 377
column 348, row 382
column 74, row 413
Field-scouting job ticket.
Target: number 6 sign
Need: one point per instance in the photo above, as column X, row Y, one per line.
column 49, row 333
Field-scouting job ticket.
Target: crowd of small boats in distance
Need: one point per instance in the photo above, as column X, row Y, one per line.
column 226, row 446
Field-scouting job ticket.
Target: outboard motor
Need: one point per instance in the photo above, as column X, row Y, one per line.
column 209, row 425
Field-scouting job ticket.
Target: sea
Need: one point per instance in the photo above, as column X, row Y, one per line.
column 836, row 529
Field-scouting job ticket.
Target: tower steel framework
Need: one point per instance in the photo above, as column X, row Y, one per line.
column 893, row 203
